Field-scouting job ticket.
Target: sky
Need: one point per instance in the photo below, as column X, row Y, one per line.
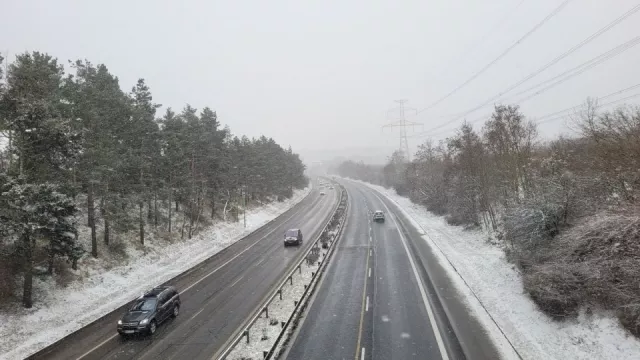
column 322, row 76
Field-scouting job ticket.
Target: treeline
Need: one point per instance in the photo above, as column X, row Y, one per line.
column 565, row 209
column 77, row 140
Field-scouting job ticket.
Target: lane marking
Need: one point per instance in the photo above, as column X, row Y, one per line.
column 370, row 238
column 369, row 252
column 364, row 296
column 369, row 272
column 362, row 355
column 192, row 285
column 367, row 306
column 237, row 281
column 423, row 293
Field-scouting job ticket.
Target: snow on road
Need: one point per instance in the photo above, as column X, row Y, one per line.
column 498, row 286
column 58, row 312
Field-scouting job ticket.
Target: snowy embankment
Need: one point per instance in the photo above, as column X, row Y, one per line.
column 58, row 312
column 481, row 272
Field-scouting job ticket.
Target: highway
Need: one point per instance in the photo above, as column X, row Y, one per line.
column 217, row 296
column 385, row 296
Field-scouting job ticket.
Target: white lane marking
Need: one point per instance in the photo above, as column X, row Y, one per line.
column 235, row 282
column 425, row 300
column 369, row 252
column 366, row 308
column 370, row 238
column 362, row 354
column 98, row 346
column 192, row 285
column 196, row 314
column 233, row 258
column 369, row 272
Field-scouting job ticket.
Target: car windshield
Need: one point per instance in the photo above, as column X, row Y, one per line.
column 292, row 233
column 147, row 304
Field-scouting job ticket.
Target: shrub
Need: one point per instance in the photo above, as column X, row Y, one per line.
column 529, row 229
column 594, row 263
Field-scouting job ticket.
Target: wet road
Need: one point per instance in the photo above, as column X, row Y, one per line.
column 378, row 298
column 217, row 296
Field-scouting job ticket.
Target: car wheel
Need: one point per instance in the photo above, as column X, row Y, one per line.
column 152, row 327
column 176, row 311
column 285, row 244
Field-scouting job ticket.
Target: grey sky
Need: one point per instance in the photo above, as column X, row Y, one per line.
column 322, row 74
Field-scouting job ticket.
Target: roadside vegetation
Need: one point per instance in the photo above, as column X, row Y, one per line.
column 565, row 211
column 80, row 157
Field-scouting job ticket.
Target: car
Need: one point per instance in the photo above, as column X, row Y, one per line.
column 331, row 187
column 322, row 193
column 378, row 216
column 150, row 310
column 292, row 237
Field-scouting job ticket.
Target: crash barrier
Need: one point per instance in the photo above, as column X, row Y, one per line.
column 315, row 259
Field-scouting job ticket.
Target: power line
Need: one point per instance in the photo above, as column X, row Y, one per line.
column 561, row 56
column 553, row 115
column 564, row 76
column 503, row 54
column 600, row 98
column 622, row 48
column 588, row 64
column 493, row 28
column 548, row 65
column 539, row 121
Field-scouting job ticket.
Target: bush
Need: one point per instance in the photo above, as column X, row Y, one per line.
column 594, row 263
column 529, row 229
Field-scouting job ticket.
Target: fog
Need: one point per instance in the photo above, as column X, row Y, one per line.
column 322, row 75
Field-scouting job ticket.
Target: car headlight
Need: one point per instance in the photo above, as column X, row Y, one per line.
column 119, row 322
column 144, row 322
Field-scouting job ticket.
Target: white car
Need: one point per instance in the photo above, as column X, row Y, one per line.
column 322, row 193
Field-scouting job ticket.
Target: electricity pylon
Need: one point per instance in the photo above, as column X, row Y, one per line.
column 401, row 122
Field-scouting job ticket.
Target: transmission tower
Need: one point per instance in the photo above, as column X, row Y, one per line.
column 400, row 121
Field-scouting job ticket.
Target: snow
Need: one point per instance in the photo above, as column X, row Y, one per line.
column 58, row 311
column 481, row 272
column 263, row 333
column 279, row 310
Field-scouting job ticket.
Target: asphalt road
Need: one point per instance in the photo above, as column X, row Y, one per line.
column 385, row 296
column 217, row 295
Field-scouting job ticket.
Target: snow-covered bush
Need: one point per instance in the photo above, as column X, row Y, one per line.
column 594, row 263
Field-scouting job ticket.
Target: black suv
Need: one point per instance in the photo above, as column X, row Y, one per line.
column 149, row 310
column 293, row 237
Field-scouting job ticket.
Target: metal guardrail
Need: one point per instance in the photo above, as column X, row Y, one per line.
column 287, row 278
column 314, row 279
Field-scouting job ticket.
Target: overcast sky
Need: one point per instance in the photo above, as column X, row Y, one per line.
column 322, row 74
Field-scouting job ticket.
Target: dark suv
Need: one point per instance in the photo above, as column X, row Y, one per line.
column 293, row 237
column 149, row 310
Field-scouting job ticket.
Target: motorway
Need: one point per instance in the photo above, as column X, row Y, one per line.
column 217, row 295
column 385, row 296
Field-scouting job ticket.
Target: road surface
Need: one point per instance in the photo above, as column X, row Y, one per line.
column 217, row 296
column 377, row 299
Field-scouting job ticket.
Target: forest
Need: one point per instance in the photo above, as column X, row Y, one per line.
column 76, row 149
column 564, row 210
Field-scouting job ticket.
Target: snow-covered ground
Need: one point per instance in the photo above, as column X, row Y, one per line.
column 264, row 332
column 60, row 311
column 498, row 286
